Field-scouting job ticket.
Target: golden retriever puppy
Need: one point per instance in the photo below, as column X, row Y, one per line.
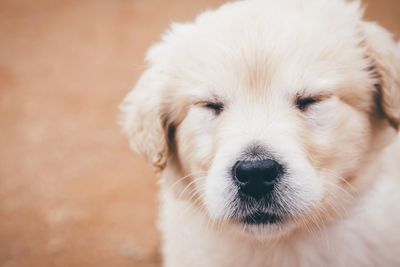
column 274, row 124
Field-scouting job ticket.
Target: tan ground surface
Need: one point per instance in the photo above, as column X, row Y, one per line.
column 71, row 193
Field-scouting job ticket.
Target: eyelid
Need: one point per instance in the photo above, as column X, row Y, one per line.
column 317, row 96
column 205, row 102
column 304, row 101
column 216, row 105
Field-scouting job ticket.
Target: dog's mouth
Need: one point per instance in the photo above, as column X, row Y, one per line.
column 261, row 218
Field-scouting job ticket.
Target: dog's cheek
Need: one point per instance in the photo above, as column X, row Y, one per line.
column 196, row 144
column 340, row 137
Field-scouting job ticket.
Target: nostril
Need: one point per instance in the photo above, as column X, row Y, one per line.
column 241, row 173
column 271, row 171
column 259, row 174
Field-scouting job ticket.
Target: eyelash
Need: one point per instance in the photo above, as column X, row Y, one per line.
column 216, row 107
column 304, row 103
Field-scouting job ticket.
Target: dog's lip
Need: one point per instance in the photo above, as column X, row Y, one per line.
column 262, row 218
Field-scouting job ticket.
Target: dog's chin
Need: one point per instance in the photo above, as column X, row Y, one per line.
column 263, row 231
column 262, row 218
column 263, row 225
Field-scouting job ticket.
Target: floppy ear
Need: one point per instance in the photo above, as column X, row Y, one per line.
column 143, row 121
column 385, row 60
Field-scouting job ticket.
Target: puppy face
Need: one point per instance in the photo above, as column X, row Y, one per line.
column 270, row 111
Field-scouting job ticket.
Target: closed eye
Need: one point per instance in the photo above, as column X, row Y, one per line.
column 215, row 106
column 303, row 103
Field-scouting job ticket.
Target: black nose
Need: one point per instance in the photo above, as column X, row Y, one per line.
column 257, row 178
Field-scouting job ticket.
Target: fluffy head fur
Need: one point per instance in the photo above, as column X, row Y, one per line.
column 230, row 83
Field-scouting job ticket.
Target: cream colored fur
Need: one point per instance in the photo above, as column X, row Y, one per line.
column 341, row 194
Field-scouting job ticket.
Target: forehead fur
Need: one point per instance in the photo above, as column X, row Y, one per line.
column 289, row 45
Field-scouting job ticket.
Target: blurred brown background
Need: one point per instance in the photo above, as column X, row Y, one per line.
column 71, row 192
